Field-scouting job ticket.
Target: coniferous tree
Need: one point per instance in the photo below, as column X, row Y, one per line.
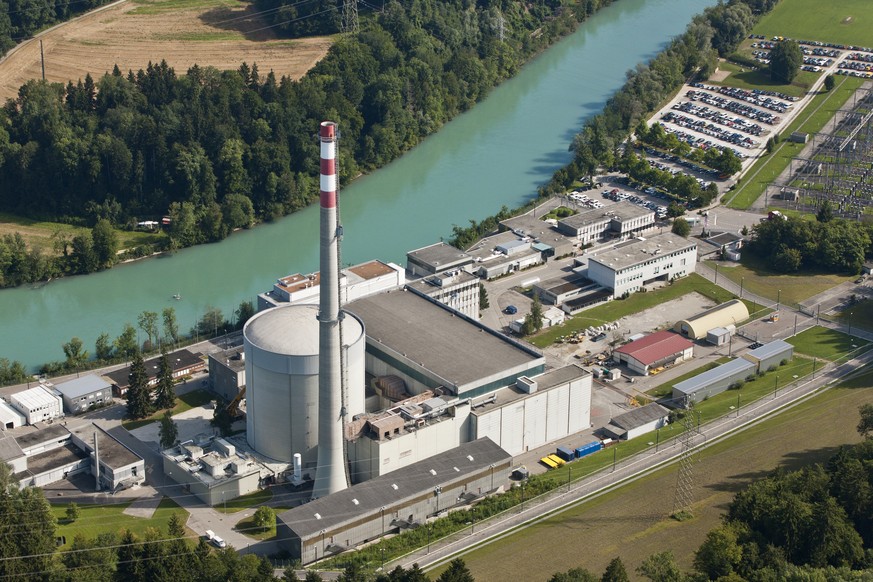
column 139, row 402
column 165, row 392
column 168, row 431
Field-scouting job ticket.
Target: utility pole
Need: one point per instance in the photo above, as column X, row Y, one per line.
column 350, row 16
column 684, row 494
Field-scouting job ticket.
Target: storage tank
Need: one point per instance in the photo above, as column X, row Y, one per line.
column 281, row 355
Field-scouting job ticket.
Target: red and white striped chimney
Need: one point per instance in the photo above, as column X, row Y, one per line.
column 330, row 474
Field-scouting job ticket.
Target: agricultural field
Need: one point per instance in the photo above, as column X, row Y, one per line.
column 843, row 22
column 634, row 522
column 788, row 288
column 97, row 519
column 42, row 236
column 217, row 33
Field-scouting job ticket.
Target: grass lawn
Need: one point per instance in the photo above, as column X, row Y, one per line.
column 246, row 501
column 745, row 78
column 96, row 519
column 634, row 522
column 183, row 403
column 843, row 21
column 811, row 120
column 248, row 528
column 860, row 314
column 616, row 309
column 828, row 344
column 788, row 288
column 40, row 234
column 159, row 6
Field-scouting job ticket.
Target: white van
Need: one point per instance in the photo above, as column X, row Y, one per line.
column 218, row 542
column 210, row 534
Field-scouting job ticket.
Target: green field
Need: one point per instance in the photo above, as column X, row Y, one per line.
column 745, row 78
column 634, row 522
column 614, row 310
column 96, row 519
column 829, row 344
column 840, row 21
column 860, row 314
column 159, row 6
column 184, row 402
column 793, row 288
column 811, row 120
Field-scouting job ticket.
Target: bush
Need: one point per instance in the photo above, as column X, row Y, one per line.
column 783, row 362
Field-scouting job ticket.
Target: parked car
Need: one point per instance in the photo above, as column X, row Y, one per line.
column 510, row 310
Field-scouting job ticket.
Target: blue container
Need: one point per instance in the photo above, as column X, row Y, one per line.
column 566, row 453
column 588, row 449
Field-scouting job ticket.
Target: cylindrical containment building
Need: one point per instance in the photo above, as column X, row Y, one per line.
column 281, row 354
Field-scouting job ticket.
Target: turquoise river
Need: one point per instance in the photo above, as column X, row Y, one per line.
column 496, row 154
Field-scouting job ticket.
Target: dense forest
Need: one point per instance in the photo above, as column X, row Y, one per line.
column 21, row 19
column 216, row 151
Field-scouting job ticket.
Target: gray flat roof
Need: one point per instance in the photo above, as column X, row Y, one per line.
column 439, row 255
column 545, row 381
column 112, row 453
column 428, row 285
column 726, row 370
column 627, row 211
column 587, row 217
column 52, row 432
column 455, row 348
column 54, row 459
column 9, row 449
column 83, row 386
column 388, row 490
column 771, row 349
column 640, row 416
column 529, row 225
column 641, row 251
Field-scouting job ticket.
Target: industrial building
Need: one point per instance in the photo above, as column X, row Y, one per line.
column 713, row 381
column 559, row 290
column 505, row 253
column 42, row 457
column 394, row 502
column 536, row 410
column 281, row 361
column 182, row 362
column 620, row 220
column 629, row 266
column 770, row 355
column 39, row 404
column 722, row 244
column 659, row 349
column 719, row 336
column 119, row 467
column 638, row 421
column 732, row 312
column 436, row 258
column 9, row 417
column 213, row 470
column 457, row 289
column 355, row 282
column 85, row 393
column 227, row 372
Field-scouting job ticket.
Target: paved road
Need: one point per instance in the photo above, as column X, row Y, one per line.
column 559, row 500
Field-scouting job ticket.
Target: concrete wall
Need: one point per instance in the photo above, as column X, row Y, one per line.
column 370, row 458
column 530, row 422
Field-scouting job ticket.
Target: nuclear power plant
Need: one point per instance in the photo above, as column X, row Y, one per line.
column 400, row 394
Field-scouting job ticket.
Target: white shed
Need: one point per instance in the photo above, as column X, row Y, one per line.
column 9, row 417
column 38, row 404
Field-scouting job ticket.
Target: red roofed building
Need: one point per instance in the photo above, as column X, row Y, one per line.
column 662, row 348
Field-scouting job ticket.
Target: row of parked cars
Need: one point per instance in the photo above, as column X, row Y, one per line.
column 719, row 117
column 660, row 211
column 733, row 107
column 584, row 200
column 710, row 129
column 836, row 45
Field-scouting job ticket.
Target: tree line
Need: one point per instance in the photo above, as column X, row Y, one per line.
column 829, row 244
column 21, row 19
column 219, row 150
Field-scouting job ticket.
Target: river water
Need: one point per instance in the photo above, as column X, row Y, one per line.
column 496, row 154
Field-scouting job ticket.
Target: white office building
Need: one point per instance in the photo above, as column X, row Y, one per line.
column 627, row 267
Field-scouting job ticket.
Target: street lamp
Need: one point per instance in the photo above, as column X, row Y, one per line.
column 382, row 509
column 492, row 476
column 742, row 281
column 323, row 547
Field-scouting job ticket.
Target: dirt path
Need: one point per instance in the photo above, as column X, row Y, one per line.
column 218, row 33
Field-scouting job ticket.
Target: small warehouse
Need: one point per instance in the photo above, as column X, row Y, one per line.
column 85, row 393
column 391, row 503
column 227, row 372
column 719, row 336
column 713, row 381
column 769, row 356
column 732, row 312
column 38, row 404
column 120, row 468
column 638, row 421
column 662, row 348
column 9, row 417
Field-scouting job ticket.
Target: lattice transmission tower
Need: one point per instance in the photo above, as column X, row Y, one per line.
column 350, row 16
column 684, row 496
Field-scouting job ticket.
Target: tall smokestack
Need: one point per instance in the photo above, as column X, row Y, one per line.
column 330, row 474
